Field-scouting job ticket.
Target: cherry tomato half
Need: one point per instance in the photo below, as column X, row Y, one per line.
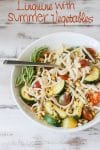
column 91, row 51
column 65, row 99
column 84, row 63
column 37, row 85
column 87, row 114
column 64, row 77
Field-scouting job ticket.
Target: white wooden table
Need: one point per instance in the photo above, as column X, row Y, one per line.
column 16, row 131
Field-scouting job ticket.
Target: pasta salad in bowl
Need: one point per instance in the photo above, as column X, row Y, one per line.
column 66, row 97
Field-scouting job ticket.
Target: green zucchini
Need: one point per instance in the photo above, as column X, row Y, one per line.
column 76, row 117
column 49, row 108
column 69, row 122
column 58, row 88
column 26, row 97
column 51, row 121
column 61, row 112
column 77, row 108
column 93, row 77
column 37, row 53
column 72, row 48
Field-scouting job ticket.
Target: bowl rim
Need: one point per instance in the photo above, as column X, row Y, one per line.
column 57, row 129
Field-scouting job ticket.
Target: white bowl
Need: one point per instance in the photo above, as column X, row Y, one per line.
column 54, row 41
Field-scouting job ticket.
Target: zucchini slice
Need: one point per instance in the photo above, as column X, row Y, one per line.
column 37, row 53
column 77, row 108
column 69, row 122
column 62, row 113
column 58, row 88
column 72, row 48
column 93, row 77
column 52, row 121
column 49, row 108
column 26, row 97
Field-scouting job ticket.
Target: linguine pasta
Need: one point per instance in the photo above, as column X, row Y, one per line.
column 66, row 96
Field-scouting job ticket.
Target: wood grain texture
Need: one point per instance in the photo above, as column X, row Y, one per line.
column 19, row 36
column 17, row 132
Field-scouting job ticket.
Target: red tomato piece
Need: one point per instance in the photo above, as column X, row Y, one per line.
column 87, row 114
column 67, row 98
column 64, row 77
column 37, row 85
column 91, row 51
column 84, row 63
column 94, row 98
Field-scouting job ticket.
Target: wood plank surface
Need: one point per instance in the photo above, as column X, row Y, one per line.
column 19, row 36
column 17, row 132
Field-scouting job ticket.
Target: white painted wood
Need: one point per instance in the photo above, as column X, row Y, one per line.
column 17, row 37
column 17, row 132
